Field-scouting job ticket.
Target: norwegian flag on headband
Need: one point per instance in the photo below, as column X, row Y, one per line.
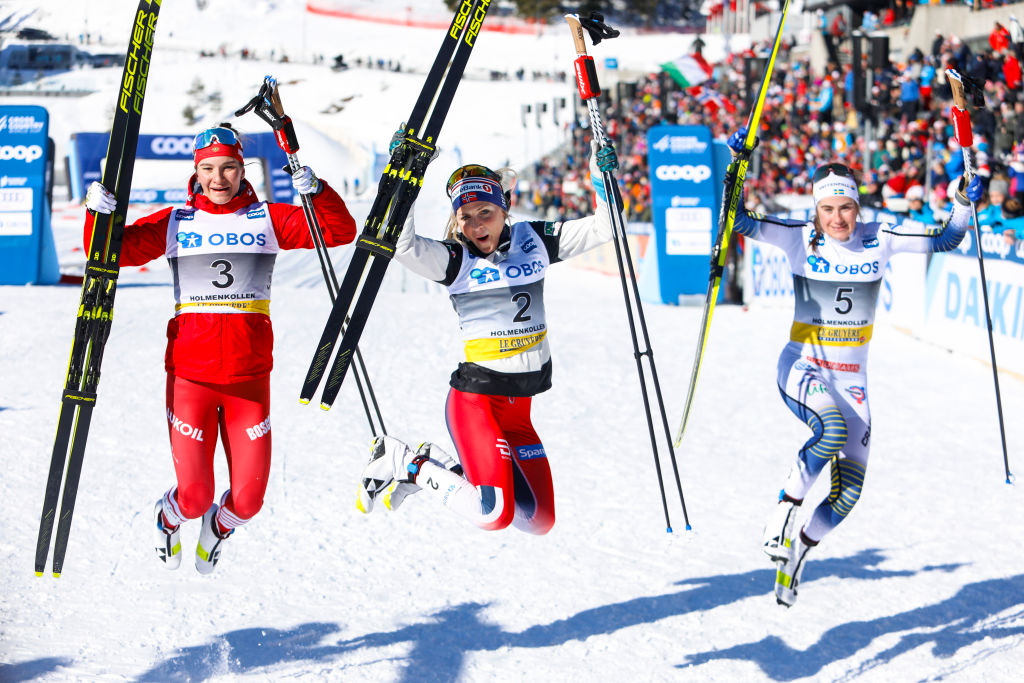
column 711, row 99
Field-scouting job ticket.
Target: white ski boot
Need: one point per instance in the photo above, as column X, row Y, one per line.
column 210, row 542
column 388, row 457
column 168, row 541
column 398, row 491
column 788, row 572
column 778, row 533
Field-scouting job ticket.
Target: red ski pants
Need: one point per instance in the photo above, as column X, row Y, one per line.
column 241, row 412
column 499, row 448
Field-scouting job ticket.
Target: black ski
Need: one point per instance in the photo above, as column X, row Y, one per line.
column 95, row 311
column 396, row 192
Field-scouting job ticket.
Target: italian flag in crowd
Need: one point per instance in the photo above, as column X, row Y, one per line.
column 688, row 70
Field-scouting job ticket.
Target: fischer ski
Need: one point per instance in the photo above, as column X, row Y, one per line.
column 95, row 311
column 734, row 177
column 397, row 189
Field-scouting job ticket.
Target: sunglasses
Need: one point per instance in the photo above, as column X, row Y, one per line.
column 823, row 172
column 471, row 171
column 210, row 136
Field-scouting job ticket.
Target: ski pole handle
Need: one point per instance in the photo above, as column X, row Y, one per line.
column 961, row 117
column 586, row 73
column 284, row 129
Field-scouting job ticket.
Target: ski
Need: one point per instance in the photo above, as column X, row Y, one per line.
column 95, row 311
column 734, row 177
column 399, row 185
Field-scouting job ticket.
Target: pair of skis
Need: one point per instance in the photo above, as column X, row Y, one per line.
column 95, row 310
column 398, row 188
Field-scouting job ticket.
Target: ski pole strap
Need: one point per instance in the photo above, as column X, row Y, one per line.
column 586, row 77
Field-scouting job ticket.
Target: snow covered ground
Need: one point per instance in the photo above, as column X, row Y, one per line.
column 924, row 581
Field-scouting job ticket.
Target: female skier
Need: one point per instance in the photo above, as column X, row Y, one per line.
column 494, row 270
column 221, row 248
column 837, row 264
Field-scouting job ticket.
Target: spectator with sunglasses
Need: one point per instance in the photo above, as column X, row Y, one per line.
column 494, row 270
column 221, row 247
column 837, row 264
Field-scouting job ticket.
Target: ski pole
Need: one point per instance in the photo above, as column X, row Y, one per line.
column 965, row 138
column 589, row 89
column 734, row 176
column 267, row 105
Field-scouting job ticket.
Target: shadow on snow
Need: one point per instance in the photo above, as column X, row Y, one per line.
column 438, row 647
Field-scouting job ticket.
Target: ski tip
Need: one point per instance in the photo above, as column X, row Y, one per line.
column 668, row 530
column 689, row 528
column 304, row 401
column 56, row 575
column 325, row 406
column 39, row 573
column 1010, row 479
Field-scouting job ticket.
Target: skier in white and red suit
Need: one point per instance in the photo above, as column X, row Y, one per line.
column 494, row 269
column 221, row 247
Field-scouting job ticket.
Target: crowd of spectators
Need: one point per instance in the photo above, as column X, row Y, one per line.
column 809, row 117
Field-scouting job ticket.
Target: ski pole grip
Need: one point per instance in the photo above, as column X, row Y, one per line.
column 962, row 127
column 286, row 138
column 586, row 77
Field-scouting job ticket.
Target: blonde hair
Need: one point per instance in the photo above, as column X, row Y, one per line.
column 509, row 179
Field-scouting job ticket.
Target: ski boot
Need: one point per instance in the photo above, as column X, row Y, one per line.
column 168, row 540
column 210, row 541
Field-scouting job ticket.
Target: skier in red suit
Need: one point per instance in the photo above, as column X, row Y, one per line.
column 221, row 247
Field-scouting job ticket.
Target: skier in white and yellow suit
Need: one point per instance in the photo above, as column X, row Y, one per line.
column 837, row 264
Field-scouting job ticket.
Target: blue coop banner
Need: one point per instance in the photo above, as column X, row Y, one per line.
column 27, row 253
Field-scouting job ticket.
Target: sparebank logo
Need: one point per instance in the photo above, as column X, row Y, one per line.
column 694, row 174
column 819, row 264
column 167, row 146
column 26, row 153
column 189, row 240
column 484, row 275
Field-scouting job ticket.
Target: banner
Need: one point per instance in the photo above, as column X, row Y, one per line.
column 88, row 150
column 27, row 252
column 686, row 173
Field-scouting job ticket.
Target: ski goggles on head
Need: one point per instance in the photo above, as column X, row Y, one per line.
column 841, row 170
column 214, row 142
column 476, row 183
column 834, row 180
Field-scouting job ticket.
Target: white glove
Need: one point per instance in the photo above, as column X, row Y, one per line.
column 305, row 181
column 100, row 200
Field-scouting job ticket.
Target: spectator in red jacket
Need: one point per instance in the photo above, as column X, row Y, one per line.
column 221, row 247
